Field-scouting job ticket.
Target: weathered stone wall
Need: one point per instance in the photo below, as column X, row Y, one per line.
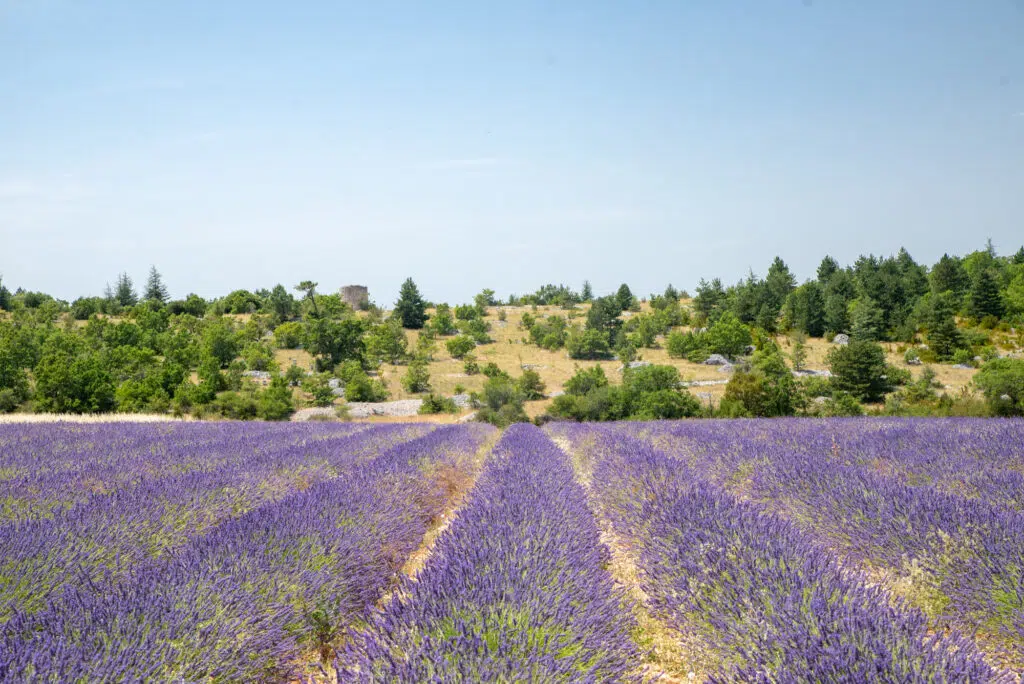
column 356, row 296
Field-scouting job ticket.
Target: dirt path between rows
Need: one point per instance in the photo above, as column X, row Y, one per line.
column 669, row 656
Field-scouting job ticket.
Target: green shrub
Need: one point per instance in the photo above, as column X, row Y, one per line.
column 859, row 368
column 417, row 378
column 1002, row 383
column 531, row 386
column 460, row 345
column 588, row 344
column 435, row 403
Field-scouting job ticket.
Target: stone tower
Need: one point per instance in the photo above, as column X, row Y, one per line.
column 356, row 296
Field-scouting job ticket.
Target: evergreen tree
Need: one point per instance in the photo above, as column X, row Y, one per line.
column 410, row 308
column 866, row 320
column 624, row 296
column 588, row 292
column 778, row 284
column 827, row 267
column 125, row 293
column 948, row 275
column 805, row 309
column 671, row 293
column 943, row 336
column 1018, row 258
column 985, row 299
column 710, row 298
column 156, row 291
column 280, row 304
column 5, row 296
column 309, row 288
column 859, row 368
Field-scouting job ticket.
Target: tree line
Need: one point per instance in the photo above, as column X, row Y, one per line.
column 132, row 351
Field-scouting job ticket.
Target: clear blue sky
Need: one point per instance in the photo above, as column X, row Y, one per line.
column 500, row 144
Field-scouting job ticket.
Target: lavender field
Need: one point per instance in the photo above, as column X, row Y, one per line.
column 761, row 551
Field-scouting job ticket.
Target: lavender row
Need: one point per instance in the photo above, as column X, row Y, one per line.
column 243, row 602
column 514, row 591
column 51, row 477
column 878, row 493
column 776, row 605
column 971, row 458
column 109, row 534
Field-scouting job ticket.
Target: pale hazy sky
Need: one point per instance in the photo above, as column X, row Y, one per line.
column 500, row 144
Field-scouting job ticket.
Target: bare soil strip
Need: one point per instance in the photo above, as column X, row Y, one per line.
column 458, row 482
column 670, row 656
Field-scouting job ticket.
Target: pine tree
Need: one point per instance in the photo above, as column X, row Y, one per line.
column 125, row 293
column 309, row 287
column 410, row 308
column 984, row 297
column 588, row 292
column 155, row 288
column 866, row 320
column 624, row 297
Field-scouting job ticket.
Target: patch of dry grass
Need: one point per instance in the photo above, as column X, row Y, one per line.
column 88, row 418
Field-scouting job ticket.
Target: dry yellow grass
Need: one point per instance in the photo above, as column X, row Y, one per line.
column 509, row 352
column 88, row 418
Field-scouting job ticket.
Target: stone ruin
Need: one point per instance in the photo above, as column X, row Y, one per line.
column 356, row 296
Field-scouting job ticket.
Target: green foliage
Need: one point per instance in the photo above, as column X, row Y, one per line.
column 386, row 343
column 410, row 309
column 435, row 403
column 258, row 356
column 492, row 370
column 728, row 336
column 280, row 304
column 585, row 380
column 1002, row 383
column 531, row 386
column 549, row 333
column 124, row 292
column 624, row 297
column 859, row 368
column 500, row 402
column 460, row 345
column 70, row 378
column 588, row 344
column 984, row 298
column 155, row 291
column 417, row 378
column 334, row 341
column 289, row 335
column 318, row 386
column 469, row 365
column 193, row 305
column 220, row 341
column 241, row 302
column 476, row 328
column 442, row 322
column 647, row 393
column 866, row 320
column 360, row 387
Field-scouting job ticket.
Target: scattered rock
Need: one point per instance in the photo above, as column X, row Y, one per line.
column 303, row 415
column 717, row 360
column 532, row 366
column 635, row 364
column 556, row 394
column 461, row 400
column 963, row 366
column 338, row 392
column 703, row 383
column 259, row 375
column 841, row 339
column 392, row 409
column 334, row 383
column 914, row 361
column 807, row 372
column 727, row 368
column 820, row 400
